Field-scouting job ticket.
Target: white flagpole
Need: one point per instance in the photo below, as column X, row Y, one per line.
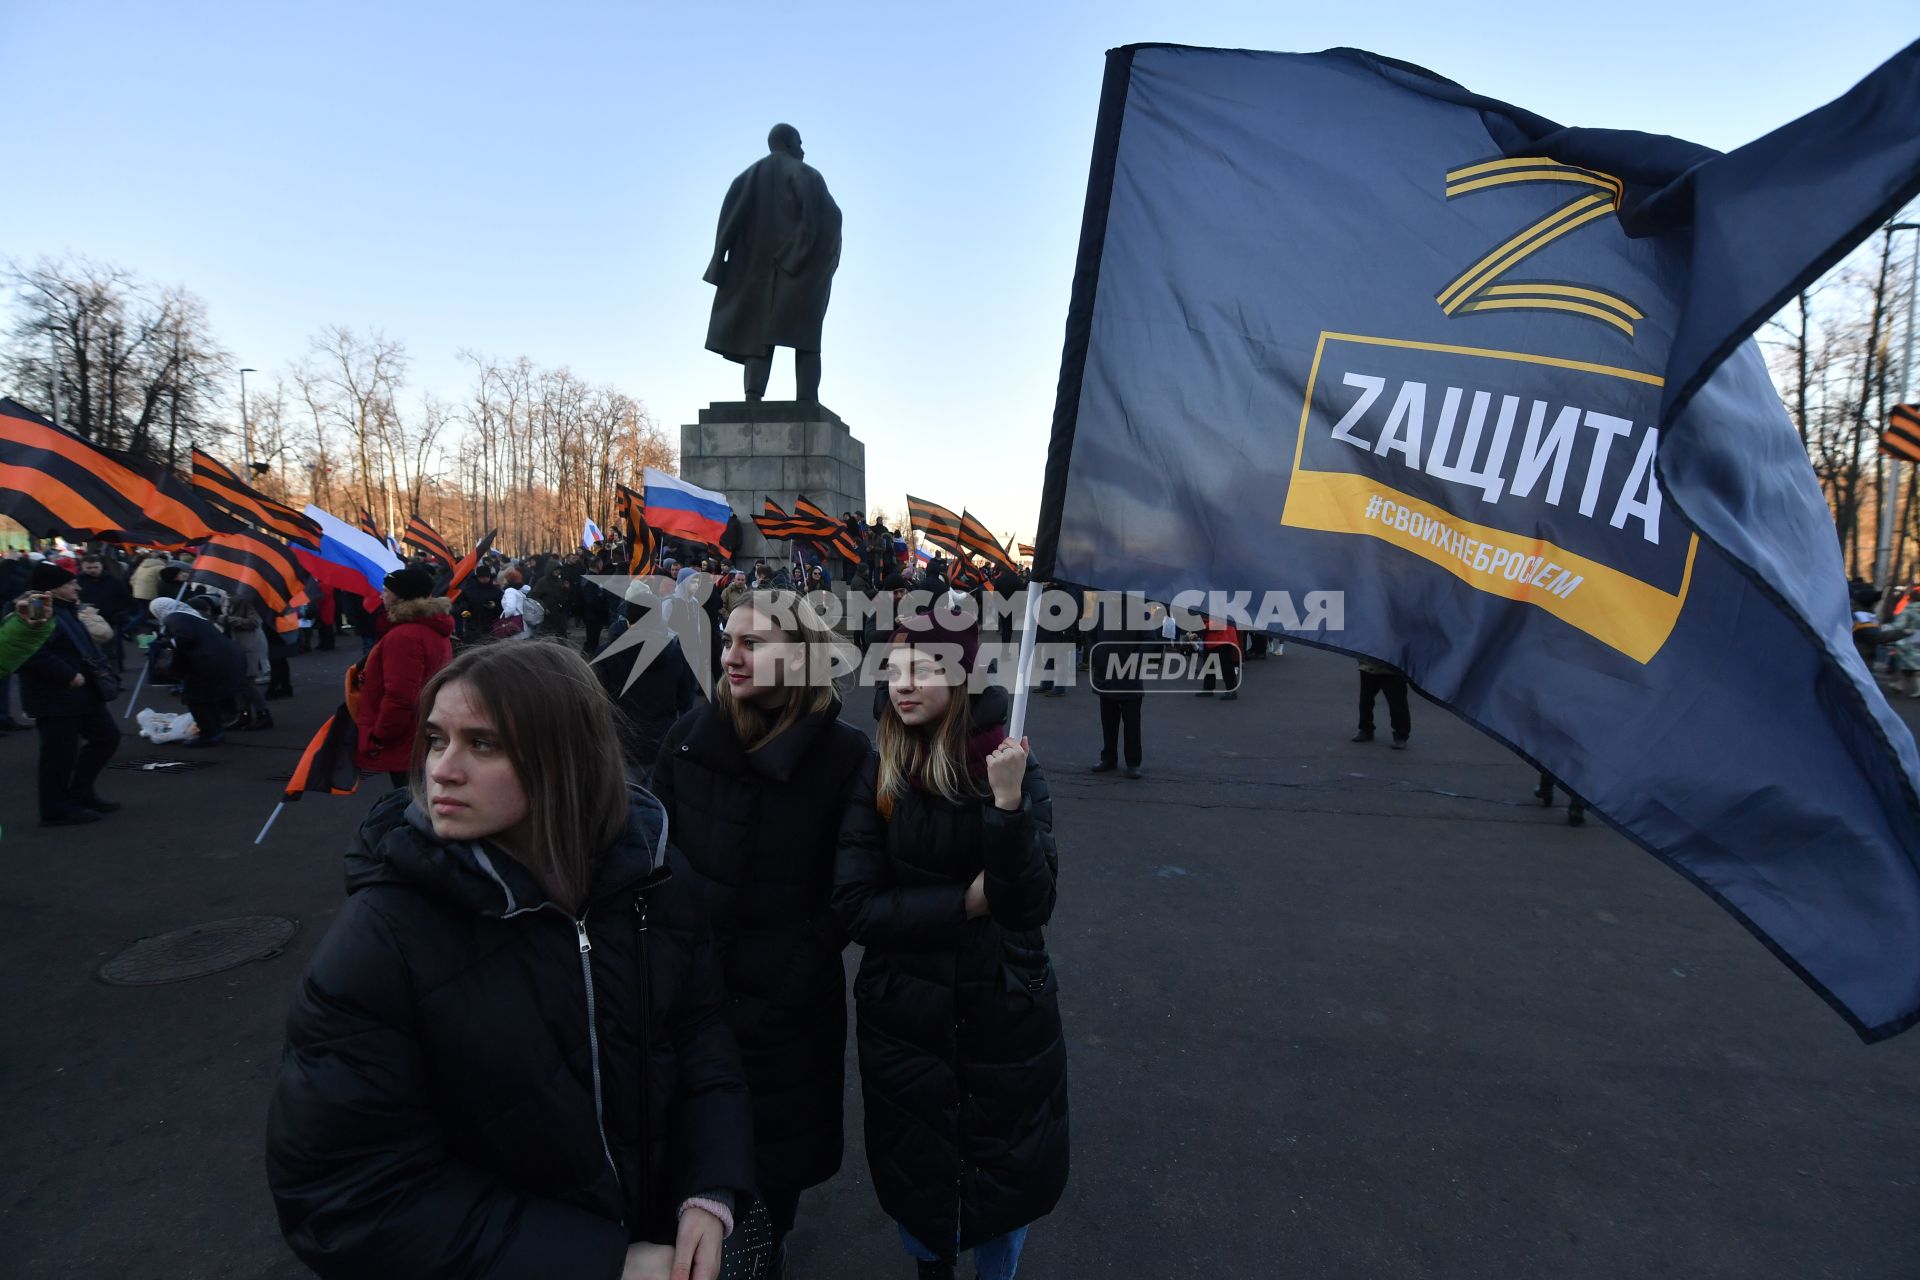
column 135, row 695
column 270, row 821
column 1023, row 674
column 146, row 666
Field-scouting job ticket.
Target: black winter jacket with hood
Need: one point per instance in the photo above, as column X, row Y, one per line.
column 648, row 702
column 963, row 1063
column 759, row 833
column 475, row 1083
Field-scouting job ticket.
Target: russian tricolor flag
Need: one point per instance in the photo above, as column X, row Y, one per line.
column 685, row 510
column 347, row 559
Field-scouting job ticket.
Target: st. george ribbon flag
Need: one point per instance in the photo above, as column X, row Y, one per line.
column 1339, row 324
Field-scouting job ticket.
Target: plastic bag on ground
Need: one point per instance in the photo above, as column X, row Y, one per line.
column 162, row 726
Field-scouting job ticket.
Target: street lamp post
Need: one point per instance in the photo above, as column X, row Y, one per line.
column 246, row 428
column 1883, row 559
column 53, row 343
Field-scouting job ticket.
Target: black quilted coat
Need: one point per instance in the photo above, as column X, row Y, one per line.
column 758, row 832
column 962, row 1063
column 476, row 1084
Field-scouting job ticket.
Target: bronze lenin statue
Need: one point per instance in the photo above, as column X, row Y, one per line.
column 772, row 267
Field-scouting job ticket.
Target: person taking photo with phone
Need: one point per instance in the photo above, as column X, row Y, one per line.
column 65, row 687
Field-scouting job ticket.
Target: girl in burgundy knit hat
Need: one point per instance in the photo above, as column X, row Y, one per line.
column 945, row 875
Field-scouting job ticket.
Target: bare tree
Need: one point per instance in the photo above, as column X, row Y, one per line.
column 273, row 439
column 360, row 378
column 1830, row 358
column 414, row 448
column 127, row 359
column 529, row 451
column 317, row 407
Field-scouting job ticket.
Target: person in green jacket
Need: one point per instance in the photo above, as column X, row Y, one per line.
column 21, row 635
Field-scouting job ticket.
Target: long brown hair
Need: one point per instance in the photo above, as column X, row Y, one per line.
column 798, row 623
column 556, row 725
column 934, row 756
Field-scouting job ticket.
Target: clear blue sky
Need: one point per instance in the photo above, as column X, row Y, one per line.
column 542, row 180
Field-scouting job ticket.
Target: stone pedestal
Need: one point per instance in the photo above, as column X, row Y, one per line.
column 779, row 449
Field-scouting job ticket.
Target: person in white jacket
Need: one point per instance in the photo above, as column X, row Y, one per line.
column 518, row 602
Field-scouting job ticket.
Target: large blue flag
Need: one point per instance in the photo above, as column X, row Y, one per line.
column 1340, row 324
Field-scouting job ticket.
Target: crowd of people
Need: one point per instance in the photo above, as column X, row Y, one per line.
column 645, row 893
column 76, row 617
column 585, row 1012
column 716, row 1044
column 224, row 662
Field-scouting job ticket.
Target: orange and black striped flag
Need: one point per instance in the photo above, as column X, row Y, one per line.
column 468, row 563
column 633, row 506
column 1026, row 550
column 936, row 524
column 289, row 622
column 219, row 484
column 777, row 524
column 327, row 763
column 420, row 534
column 977, row 538
column 643, row 541
column 1902, row 436
column 964, row 575
column 643, row 549
column 53, row 482
column 947, row 545
column 367, row 526
column 828, row 531
column 251, row 567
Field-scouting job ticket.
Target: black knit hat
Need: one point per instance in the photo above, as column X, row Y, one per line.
column 47, row 575
column 409, row 584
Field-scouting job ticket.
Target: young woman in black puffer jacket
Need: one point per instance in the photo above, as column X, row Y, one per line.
column 507, row 1056
column 754, row 782
column 946, row 875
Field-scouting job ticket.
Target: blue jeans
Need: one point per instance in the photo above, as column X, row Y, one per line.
column 997, row 1259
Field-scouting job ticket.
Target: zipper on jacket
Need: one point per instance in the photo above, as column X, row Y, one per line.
column 593, row 1054
column 959, row 1129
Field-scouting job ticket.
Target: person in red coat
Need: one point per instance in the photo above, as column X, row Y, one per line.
column 417, row 642
column 1222, row 642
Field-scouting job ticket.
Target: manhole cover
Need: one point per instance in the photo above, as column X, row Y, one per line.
column 199, row 951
